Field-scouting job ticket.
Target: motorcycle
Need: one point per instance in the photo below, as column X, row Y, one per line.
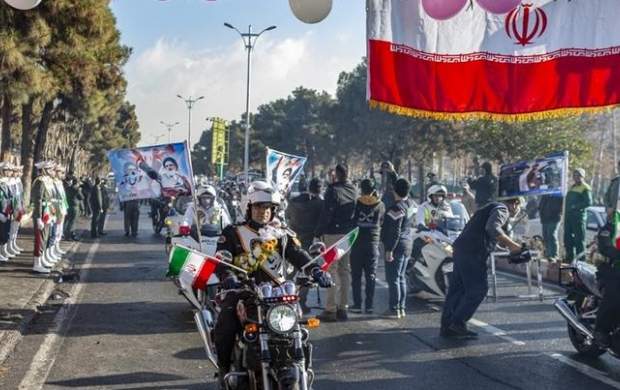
column 580, row 307
column 430, row 271
column 160, row 210
column 273, row 351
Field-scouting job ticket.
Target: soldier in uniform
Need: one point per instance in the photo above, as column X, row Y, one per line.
column 96, row 207
column 260, row 247
column 6, row 212
column 19, row 209
column 105, row 205
column 74, row 200
column 60, row 200
column 42, row 216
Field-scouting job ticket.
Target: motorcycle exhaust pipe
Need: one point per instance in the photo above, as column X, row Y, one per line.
column 562, row 307
column 205, row 336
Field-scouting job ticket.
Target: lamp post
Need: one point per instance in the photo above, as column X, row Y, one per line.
column 249, row 41
column 190, row 104
column 169, row 126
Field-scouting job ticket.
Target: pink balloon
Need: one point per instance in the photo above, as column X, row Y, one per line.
column 499, row 6
column 443, row 9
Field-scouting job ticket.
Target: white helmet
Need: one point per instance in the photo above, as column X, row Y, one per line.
column 206, row 190
column 261, row 192
column 437, row 189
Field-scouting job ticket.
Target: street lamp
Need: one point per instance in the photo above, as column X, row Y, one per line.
column 190, row 104
column 169, row 126
column 157, row 137
column 249, row 41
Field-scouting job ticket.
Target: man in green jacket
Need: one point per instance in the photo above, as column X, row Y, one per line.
column 578, row 199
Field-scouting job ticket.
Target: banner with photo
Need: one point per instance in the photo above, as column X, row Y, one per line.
column 543, row 176
column 152, row 171
column 283, row 169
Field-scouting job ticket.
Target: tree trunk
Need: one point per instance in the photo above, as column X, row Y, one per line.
column 42, row 131
column 7, row 111
column 27, row 151
column 421, row 181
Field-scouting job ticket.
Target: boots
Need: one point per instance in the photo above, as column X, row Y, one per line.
column 13, row 247
column 59, row 250
column 6, row 248
column 4, row 251
column 19, row 249
column 55, row 252
column 3, row 259
column 38, row 266
column 46, row 260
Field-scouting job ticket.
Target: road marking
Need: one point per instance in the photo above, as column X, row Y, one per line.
column 593, row 373
column 497, row 332
column 45, row 357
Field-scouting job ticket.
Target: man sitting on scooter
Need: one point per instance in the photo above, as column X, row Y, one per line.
column 261, row 247
column 431, row 215
column 608, row 316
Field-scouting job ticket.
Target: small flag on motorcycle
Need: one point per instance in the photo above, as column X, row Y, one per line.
column 193, row 269
column 336, row 251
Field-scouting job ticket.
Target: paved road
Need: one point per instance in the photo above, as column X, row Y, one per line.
column 123, row 326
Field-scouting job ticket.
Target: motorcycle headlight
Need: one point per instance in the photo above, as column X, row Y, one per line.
column 282, row 318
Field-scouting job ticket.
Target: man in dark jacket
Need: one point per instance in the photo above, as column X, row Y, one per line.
column 337, row 219
column 303, row 214
column 550, row 209
column 369, row 213
column 468, row 281
column 485, row 186
column 105, row 203
column 608, row 316
column 86, row 187
column 96, row 207
column 398, row 242
column 388, row 178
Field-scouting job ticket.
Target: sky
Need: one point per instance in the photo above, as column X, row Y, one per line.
column 182, row 47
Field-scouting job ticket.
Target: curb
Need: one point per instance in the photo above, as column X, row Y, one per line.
column 11, row 338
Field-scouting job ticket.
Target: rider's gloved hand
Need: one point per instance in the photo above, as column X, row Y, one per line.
column 322, row 278
column 230, row 283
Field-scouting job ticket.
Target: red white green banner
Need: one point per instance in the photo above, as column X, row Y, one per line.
column 192, row 268
column 497, row 59
column 338, row 250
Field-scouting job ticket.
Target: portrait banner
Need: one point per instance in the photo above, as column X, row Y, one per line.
column 493, row 59
column 152, row 171
column 543, row 176
column 283, row 169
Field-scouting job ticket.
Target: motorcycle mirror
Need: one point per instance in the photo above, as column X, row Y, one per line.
column 317, row 248
column 225, row 256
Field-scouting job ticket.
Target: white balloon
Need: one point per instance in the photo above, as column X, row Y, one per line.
column 23, row 4
column 311, row 11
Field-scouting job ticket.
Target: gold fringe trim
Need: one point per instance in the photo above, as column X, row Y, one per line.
column 463, row 116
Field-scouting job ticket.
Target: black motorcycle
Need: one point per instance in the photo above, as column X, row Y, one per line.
column 160, row 209
column 580, row 308
column 273, row 350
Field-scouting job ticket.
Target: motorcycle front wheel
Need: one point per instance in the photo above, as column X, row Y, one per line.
column 580, row 343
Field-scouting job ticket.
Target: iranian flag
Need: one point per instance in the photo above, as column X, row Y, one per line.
column 339, row 249
column 192, row 268
column 615, row 223
column 493, row 59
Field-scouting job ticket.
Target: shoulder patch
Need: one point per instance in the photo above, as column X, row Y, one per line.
column 396, row 214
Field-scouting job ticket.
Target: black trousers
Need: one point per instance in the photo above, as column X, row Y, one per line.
column 364, row 258
column 101, row 223
column 72, row 214
column 131, row 215
column 5, row 230
column 226, row 329
column 94, row 222
column 608, row 316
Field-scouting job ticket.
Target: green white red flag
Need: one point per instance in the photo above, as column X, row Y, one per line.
column 192, row 268
column 338, row 250
column 615, row 222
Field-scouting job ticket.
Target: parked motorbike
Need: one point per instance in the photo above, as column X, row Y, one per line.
column 273, row 351
column 580, row 307
column 431, row 270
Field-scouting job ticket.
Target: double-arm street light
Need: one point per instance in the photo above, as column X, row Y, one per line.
column 249, row 41
column 190, row 104
column 169, row 126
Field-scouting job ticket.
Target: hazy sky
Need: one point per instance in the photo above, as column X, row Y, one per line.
column 182, row 47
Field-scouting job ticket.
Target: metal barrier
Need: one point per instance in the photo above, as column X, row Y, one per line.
column 536, row 259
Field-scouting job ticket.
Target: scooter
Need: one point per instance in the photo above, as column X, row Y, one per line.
column 430, row 272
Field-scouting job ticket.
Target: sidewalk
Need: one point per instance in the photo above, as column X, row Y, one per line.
column 22, row 291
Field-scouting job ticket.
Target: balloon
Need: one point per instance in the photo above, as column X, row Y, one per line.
column 311, row 11
column 499, row 6
column 23, row 4
column 443, row 9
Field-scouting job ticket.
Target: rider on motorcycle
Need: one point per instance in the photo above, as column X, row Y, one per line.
column 431, row 214
column 210, row 211
column 261, row 247
column 608, row 275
